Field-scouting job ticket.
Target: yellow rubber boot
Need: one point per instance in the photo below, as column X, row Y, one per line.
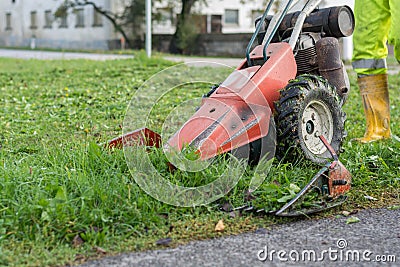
column 375, row 97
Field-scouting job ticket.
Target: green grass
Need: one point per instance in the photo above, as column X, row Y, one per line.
column 63, row 197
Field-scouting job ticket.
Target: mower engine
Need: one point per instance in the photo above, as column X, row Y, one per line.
column 317, row 51
column 306, row 56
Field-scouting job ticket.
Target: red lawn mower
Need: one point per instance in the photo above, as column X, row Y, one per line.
column 287, row 93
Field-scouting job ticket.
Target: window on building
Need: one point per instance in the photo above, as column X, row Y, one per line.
column 216, row 23
column 80, row 18
column 232, row 16
column 64, row 21
column 33, row 20
column 48, row 18
column 97, row 19
column 8, row 21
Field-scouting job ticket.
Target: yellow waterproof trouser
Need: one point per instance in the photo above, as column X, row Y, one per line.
column 377, row 21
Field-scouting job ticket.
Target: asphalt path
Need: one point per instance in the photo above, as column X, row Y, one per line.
column 200, row 61
column 49, row 55
column 373, row 241
column 207, row 61
column 234, row 62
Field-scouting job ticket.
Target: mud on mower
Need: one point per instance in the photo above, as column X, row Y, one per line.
column 288, row 92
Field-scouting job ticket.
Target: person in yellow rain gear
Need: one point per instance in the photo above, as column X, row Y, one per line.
column 377, row 22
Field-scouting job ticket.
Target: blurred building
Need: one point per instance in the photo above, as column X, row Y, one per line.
column 25, row 23
column 225, row 16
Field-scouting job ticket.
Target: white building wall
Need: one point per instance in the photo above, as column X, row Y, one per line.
column 14, row 35
column 21, row 33
column 246, row 17
column 90, row 37
column 246, row 24
column 245, row 11
column 216, row 7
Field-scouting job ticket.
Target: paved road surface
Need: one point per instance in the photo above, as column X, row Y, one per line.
column 205, row 61
column 234, row 62
column 375, row 237
column 33, row 54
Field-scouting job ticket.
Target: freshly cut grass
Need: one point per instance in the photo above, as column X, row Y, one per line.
column 64, row 199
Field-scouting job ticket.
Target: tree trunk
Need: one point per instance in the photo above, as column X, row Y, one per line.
column 182, row 19
column 106, row 14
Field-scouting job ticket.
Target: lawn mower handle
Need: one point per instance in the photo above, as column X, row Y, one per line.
column 255, row 34
column 275, row 23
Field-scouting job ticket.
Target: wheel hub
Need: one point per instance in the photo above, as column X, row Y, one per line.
column 316, row 120
column 310, row 127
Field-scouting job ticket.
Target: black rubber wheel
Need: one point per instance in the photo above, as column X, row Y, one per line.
column 256, row 150
column 308, row 107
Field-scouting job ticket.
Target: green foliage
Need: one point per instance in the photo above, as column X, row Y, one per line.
column 187, row 37
column 61, row 11
column 57, row 184
column 55, row 181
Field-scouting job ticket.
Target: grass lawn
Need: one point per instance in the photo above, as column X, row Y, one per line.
column 65, row 200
